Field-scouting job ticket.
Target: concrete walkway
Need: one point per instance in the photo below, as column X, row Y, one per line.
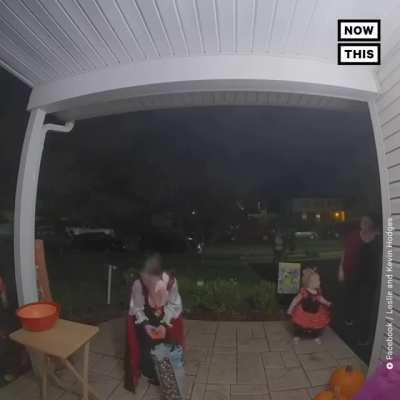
column 224, row 361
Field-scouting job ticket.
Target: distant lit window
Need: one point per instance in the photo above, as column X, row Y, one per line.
column 339, row 216
column 318, row 217
column 304, row 216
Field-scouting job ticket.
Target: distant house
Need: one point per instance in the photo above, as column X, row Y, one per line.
column 318, row 209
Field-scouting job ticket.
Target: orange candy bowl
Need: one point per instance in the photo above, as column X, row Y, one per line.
column 39, row 316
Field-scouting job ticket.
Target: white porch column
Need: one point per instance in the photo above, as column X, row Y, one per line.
column 25, row 207
column 379, row 338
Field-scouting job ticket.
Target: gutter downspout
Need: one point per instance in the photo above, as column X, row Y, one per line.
column 25, row 203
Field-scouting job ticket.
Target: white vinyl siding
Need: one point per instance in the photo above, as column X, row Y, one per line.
column 387, row 107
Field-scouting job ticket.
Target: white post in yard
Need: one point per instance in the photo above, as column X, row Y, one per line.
column 25, row 205
column 109, row 280
column 111, row 268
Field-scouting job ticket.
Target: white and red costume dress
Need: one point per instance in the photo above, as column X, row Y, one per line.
column 146, row 307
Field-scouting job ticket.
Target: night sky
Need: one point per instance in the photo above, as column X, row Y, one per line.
column 184, row 158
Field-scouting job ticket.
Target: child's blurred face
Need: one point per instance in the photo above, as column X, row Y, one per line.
column 153, row 266
column 314, row 282
column 366, row 224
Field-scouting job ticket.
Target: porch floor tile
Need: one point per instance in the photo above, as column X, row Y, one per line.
column 224, row 361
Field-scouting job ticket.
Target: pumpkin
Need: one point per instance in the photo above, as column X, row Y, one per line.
column 330, row 395
column 347, row 381
column 325, row 395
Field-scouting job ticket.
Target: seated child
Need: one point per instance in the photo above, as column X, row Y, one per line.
column 155, row 317
column 309, row 309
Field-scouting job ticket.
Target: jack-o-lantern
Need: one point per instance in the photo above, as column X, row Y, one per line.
column 347, row 381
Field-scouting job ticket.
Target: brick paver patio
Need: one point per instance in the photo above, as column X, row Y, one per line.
column 224, row 361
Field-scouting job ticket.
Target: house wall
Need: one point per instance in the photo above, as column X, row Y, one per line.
column 385, row 116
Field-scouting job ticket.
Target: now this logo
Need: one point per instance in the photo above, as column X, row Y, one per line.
column 359, row 31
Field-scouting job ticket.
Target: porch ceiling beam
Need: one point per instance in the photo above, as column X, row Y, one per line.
column 205, row 73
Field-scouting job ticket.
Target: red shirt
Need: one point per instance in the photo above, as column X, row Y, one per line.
column 352, row 252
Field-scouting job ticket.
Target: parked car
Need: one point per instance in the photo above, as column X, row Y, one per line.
column 79, row 230
column 97, row 242
column 306, row 235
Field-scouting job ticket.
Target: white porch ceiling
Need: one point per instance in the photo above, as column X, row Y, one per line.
column 42, row 41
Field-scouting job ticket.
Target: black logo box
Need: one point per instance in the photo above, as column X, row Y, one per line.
column 340, row 39
column 377, row 45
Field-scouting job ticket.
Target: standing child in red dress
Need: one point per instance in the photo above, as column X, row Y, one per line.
column 309, row 310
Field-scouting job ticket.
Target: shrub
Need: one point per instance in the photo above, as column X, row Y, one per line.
column 219, row 295
column 264, row 297
column 228, row 296
column 129, row 275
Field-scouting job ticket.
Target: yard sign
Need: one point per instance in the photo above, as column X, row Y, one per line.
column 289, row 278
